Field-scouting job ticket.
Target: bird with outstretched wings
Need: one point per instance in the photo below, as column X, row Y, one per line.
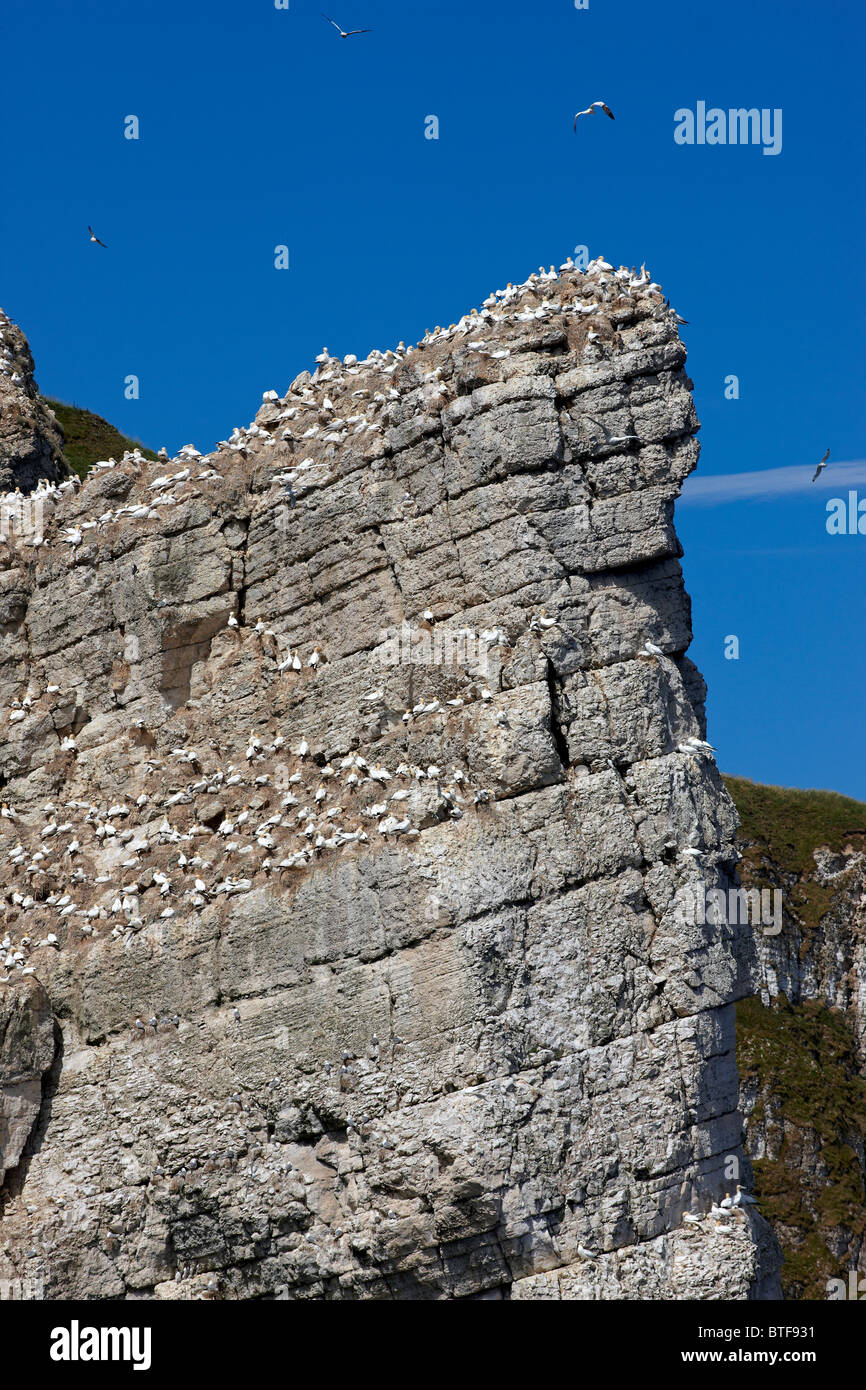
column 591, row 109
column 344, row 33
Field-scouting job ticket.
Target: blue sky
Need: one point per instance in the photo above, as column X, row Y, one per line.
column 261, row 127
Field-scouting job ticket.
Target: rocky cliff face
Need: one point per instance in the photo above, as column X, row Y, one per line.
column 31, row 441
column 802, row 1042
column 346, row 814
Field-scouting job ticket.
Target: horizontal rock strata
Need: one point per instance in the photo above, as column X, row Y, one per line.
column 346, row 817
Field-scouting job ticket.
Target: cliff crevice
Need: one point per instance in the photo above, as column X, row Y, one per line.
column 349, row 812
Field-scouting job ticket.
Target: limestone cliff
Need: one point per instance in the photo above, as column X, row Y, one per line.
column 346, row 814
column 31, row 441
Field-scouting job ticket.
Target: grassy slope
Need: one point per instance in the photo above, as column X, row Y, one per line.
column 781, row 826
column 811, row 1108
column 802, row 1059
column 89, row 438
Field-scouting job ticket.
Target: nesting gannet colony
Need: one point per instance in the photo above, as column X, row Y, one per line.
column 349, row 774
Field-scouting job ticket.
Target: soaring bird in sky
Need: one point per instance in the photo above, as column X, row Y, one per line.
column 94, row 237
column 821, row 466
column 344, row 34
column 590, row 110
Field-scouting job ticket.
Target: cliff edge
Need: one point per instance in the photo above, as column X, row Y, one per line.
column 31, row 441
column 347, row 812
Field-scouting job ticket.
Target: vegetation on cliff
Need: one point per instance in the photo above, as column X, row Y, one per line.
column 780, row 829
column 89, row 438
column 802, row 1080
column 808, row 1122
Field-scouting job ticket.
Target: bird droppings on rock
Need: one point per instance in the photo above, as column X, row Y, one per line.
column 350, row 774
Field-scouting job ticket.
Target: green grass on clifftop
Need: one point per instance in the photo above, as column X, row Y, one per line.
column 809, row 1119
column 782, row 826
column 791, row 823
column 89, row 438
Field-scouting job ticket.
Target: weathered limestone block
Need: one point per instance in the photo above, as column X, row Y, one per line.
column 26, row 1054
column 31, row 440
column 347, row 832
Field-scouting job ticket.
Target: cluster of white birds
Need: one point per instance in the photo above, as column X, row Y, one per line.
column 351, row 399
column 598, row 283
column 722, row 1213
column 162, row 492
column 26, row 517
column 336, row 404
column 87, row 867
column 293, row 662
column 23, row 517
column 34, row 702
column 83, row 867
column 92, row 867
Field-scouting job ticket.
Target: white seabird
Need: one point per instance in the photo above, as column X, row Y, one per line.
column 821, row 466
column 344, row 33
column 591, row 109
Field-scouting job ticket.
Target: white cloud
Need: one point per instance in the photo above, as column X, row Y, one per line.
column 718, row 489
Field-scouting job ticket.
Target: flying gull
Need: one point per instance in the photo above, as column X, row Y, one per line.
column 590, row 110
column 94, row 237
column 344, row 34
column 821, row 466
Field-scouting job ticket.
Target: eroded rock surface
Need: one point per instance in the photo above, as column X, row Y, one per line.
column 348, row 814
column 31, row 441
column 803, row 1054
column 26, row 1054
